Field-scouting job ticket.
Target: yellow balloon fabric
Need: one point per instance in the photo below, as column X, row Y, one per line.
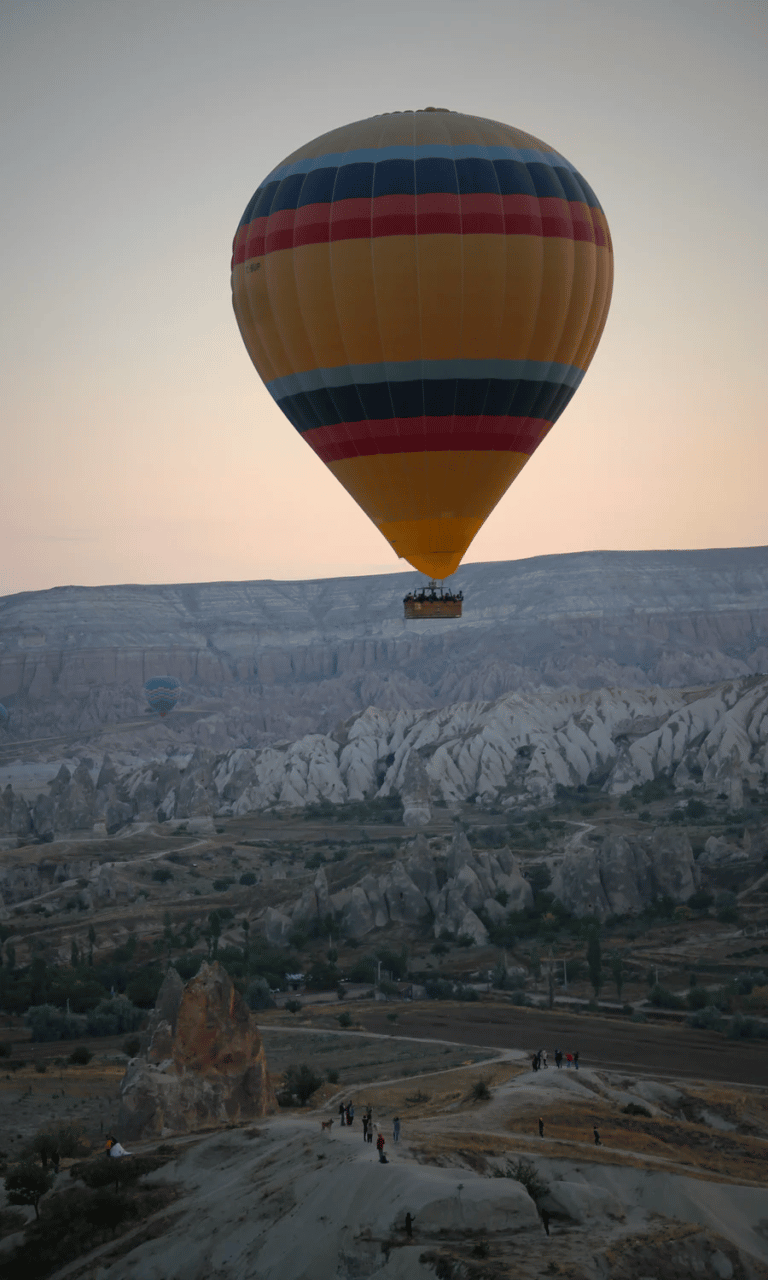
column 422, row 294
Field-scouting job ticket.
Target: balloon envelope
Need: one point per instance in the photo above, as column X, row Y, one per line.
column 422, row 294
column 162, row 693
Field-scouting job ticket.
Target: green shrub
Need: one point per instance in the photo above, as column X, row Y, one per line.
column 635, row 1109
column 344, row 1019
column 248, row 878
column 293, row 1006
column 143, row 987
column 441, row 989
column 698, row 998
column 480, row 1091
column 49, row 1023
column 258, row 995
column 299, row 1083
column 66, row 1139
column 706, row 1019
column 741, row 1028
column 333, row 1076
column 162, row 875
column 526, row 1174
column 661, row 998
column 701, row 900
column 80, row 1057
column 132, row 1047
column 114, row 1017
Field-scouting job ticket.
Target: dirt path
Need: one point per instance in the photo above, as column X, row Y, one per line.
column 613, row 1044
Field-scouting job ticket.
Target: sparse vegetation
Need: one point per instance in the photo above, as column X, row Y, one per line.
column 299, row 1083
column 27, row 1184
column 526, row 1173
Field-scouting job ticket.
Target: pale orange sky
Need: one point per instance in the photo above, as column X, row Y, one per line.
column 138, row 442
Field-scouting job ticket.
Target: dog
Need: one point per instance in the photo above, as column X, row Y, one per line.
column 326, row 1124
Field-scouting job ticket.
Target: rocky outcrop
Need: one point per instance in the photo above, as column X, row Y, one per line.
column 514, row 752
column 621, row 876
column 414, row 792
column 204, row 1064
column 285, row 659
column 447, row 889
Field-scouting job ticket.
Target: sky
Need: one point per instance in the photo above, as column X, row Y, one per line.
column 138, row 442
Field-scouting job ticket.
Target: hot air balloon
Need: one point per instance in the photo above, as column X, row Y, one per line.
column 422, row 293
column 162, row 694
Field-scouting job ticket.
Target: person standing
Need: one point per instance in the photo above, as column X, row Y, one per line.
column 342, row 1113
column 568, row 1059
column 598, row 1143
column 544, row 1062
column 380, row 1149
column 576, row 1060
column 541, row 1127
column 350, row 1112
column 558, row 1059
column 365, row 1126
column 396, row 1129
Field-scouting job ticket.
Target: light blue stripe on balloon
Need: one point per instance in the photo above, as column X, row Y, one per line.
column 411, row 370
column 429, row 151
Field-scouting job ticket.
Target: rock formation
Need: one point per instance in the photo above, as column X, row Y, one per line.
column 514, row 752
column 203, row 1064
column 621, row 876
column 264, row 661
column 443, row 891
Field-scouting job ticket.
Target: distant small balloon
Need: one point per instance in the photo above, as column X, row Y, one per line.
column 162, row 694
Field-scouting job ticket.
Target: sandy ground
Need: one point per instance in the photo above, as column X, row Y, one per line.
column 666, row 1195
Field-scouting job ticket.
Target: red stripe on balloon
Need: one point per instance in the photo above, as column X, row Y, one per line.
column 420, row 435
column 430, row 214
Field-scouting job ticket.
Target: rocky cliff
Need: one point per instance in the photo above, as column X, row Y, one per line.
column 261, row 660
column 513, row 752
column 204, row 1063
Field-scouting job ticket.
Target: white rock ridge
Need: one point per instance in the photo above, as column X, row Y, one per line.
column 259, row 660
column 512, row 752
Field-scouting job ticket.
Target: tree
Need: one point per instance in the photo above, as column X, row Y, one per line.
column 74, row 955
column 258, row 995
column 301, row 1082
column 214, row 933
column 27, row 1183
column 617, row 969
column 595, row 962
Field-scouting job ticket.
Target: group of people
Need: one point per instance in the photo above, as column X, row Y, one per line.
column 347, row 1116
column 430, row 594
column 539, row 1060
column 346, row 1113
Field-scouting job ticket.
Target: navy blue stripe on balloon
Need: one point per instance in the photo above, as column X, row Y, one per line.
column 462, row 397
column 472, row 176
